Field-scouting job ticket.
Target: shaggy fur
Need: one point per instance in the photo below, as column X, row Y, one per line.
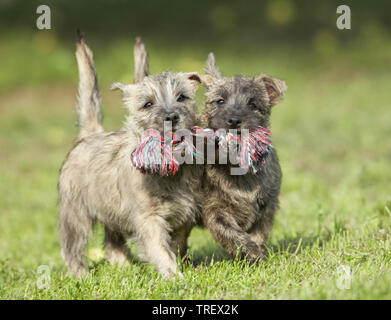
column 238, row 210
column 98, row 183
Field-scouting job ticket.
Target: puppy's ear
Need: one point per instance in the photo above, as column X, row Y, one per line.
column 126, row 88
column 274, row 87
column 211, row 67
column 207, row 80
column 194, row 78
column 212, row 72
column 141, row 61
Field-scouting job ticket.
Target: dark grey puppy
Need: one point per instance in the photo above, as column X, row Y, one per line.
column 238, row 210
column 98, row 183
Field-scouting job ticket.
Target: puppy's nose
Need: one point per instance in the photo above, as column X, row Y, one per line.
column 173, row 117
column 234, row 121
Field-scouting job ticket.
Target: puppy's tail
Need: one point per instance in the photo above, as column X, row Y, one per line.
column 89, row 105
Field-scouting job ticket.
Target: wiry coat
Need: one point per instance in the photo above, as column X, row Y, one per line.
column 239, row 210
column 98, row 183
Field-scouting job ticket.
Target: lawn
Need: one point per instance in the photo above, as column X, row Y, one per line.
column 331, row 238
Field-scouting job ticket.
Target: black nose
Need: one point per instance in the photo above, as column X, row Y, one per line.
column 234, row 121
column 173, row 117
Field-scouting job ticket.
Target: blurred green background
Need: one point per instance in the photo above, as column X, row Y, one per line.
column 186, row 31
column 332, row 131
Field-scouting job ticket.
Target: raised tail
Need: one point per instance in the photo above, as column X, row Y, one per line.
column 89, row 105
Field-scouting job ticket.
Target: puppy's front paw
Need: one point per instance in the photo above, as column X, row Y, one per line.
column 172, row 274
column 253, row 253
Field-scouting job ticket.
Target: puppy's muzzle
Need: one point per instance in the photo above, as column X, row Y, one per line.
column 173, row 117
column 234, row 122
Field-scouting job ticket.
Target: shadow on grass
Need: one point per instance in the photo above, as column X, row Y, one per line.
column 294, row 244
column 213, row 252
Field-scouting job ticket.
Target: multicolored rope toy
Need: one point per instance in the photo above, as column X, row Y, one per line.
column 157, row 154
column 255, row 148
column 153, row 155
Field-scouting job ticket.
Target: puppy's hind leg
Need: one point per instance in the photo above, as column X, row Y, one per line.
column 179, row 240
column 116, row 249
column 75, row 228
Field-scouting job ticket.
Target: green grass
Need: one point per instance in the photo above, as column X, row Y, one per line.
column 332, row 133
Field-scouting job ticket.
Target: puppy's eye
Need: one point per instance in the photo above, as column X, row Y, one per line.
column 148, row 104
column 182, row 98
column 252, row 104
column 220, row 101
